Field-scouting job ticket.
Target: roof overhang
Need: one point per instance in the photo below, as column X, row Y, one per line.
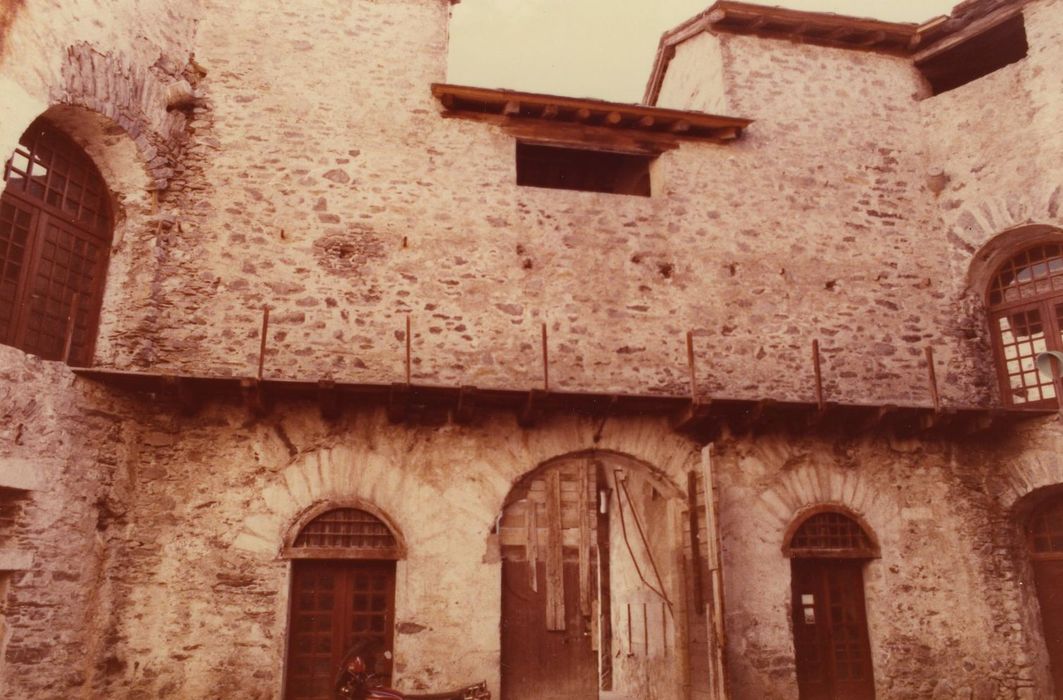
column 553, row 114
column 828, row 29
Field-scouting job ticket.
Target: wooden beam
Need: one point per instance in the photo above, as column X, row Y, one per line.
column 872, row 39
column 511, row 109
column 605, row 603
column 972, row 30
column 546, row 360
column 583, row 114
column 646, row 122
column 398, row 402
column 262, row 344
column 817, row 371
column 409, row 352
column 585, row 504
column 555, row 573
column 253, row 396
column 932, row 378
column 613, row 118
column 549, row 112
column 680, row 127
column 696, row 562
column 532, row 409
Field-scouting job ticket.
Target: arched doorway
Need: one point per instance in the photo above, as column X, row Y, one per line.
column 1044, row 541
column 342, row 595
column 592, row 602
column 828, row 549
column 55, row 240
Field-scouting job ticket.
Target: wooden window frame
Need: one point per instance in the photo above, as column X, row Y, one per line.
column 290, row 551
column 1044, row 303
column 872, row 551
column 82, row 324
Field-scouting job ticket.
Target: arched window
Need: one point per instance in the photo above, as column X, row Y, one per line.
column 343, row 596
column 828, row 549
column 55, row 240
column 1025, row 305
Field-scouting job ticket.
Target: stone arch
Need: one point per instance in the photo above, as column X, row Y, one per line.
column 321, row 508
column 1029, row 476
column 803, row 516
column 145, row 103
column 976, row 224
column 993, row 253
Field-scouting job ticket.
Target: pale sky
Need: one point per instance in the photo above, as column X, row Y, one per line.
column 600, row 48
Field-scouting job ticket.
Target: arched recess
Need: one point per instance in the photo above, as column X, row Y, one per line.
column 342, row 593
column 593, row 596
column 828, row 546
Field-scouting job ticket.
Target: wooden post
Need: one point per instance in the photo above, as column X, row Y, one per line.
column 546, row 362
column 555, row 574
column 532, row 522
column 932, row 378
column 409, row 361
column 262, row 344
column 717, row 635
column 583, row 503
column 819, row 375
column 605, row 603
column 71, row 325
column 690, row 365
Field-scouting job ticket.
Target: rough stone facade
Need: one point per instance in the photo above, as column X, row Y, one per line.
column 291, row 156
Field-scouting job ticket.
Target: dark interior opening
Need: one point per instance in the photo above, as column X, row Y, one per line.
column 578, row 169
column 980, row 55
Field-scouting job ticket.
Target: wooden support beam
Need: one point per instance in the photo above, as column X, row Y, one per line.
column 549, row 112
column 972, row 30
column 647, row 121
column 555, row 578
column 409, row 352
column 726, row 134
column 822, row 416
column 605, row 604
column 691, row 368
column 328, row 399
column 932, row 379
column 583, row 114
column 818, row 372
column 511, row 109
column 262, row 343
column 585, row 502
column 692, row 416
column 447, row 100
column 546, row 360
column 465, row 412
column 872, row 39
column 680, row 127
column 613, row 118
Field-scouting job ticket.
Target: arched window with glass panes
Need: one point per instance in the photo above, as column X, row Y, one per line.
column 55, row 239
column 1025, row 306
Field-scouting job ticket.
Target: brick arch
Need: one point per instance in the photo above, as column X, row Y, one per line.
column 975, row 225
column 134, row 98
column 803, row 490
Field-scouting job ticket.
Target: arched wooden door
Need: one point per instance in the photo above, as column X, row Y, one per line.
column 833, row 651
column 342, row 596
column 1045, row 544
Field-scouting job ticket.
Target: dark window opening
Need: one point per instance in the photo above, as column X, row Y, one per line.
column 55, row 238
column 578, row 169
column 979, row 55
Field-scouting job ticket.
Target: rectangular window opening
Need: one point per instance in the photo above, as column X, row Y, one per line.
column 977, row 56
column 563, row 168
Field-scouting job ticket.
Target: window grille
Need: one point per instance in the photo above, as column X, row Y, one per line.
column 346, row 528
column 831, row 534
column 1025, row 302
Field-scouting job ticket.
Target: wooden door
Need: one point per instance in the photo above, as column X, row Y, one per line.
column 1048, row 574
column 830, row 630
column 335, row 605
column 538, row 664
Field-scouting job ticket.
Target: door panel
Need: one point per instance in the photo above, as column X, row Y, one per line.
column 1048, row 575
column 537, row 663
column 335, row 605
column 830, row 630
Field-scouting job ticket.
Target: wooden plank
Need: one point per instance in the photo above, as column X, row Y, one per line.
column 532, row 544
column 969, row 32
column 555, row 575
column 584, row 541
column 717, row 637
column 605, row 603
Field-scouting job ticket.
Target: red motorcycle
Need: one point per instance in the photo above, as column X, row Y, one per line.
column 355, row 682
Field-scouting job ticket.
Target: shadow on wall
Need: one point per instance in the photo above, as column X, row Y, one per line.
column 9, row 10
